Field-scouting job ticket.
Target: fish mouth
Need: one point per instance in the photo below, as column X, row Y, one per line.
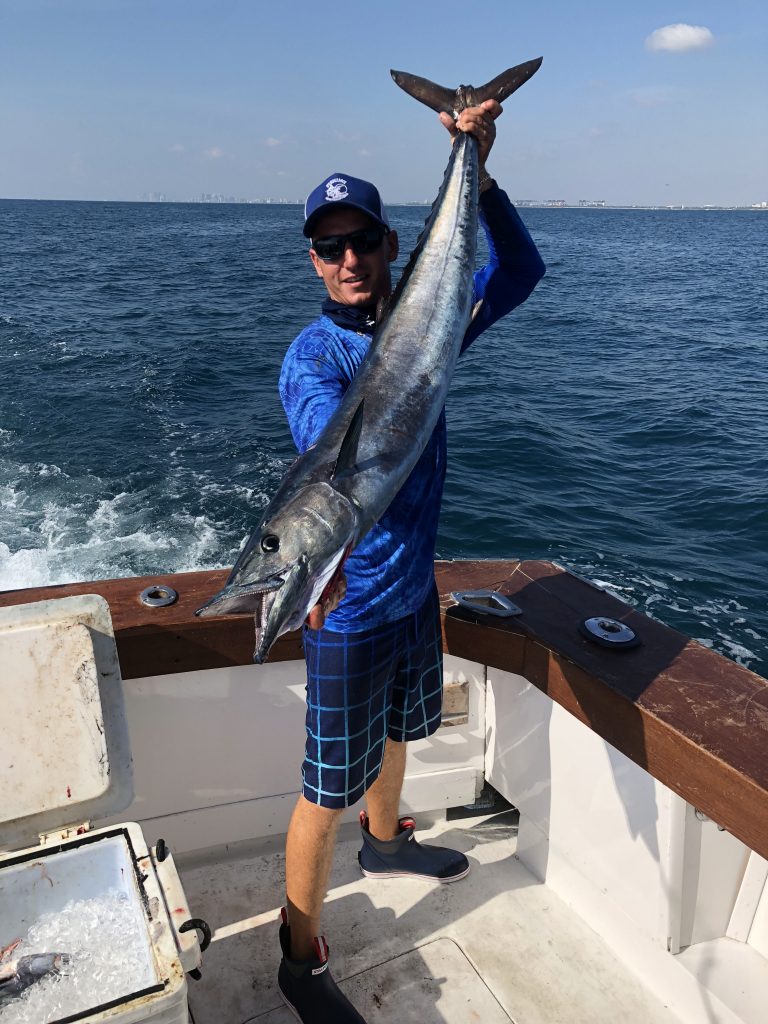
column 240, row 598
column 268, row 601
column 277, row 614
column 279, row 603
column 265, row 635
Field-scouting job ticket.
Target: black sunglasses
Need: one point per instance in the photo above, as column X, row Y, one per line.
column 364, row 241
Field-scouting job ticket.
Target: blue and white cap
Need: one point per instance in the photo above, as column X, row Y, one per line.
column 343, row 190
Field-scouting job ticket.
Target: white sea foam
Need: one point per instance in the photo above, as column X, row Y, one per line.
column 26, row 568
column 56, row 541
column 738, row 652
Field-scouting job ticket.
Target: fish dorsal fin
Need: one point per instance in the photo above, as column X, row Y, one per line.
column 348, row 450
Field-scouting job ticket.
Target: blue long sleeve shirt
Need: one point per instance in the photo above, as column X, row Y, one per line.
column 390, row 572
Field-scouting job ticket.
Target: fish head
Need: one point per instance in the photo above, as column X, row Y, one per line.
column 287, row 563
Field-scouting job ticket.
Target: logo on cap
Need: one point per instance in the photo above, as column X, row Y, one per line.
column 336, row 189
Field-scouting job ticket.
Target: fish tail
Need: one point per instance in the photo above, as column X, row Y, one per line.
column 503, row 85
column 436, row 96
column 453, row 101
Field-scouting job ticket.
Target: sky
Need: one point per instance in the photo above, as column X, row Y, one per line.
column 653, row 103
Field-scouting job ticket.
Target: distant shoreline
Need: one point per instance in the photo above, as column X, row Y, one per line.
column 519, row 203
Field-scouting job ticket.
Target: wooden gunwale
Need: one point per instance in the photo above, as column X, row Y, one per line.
column 692, row 718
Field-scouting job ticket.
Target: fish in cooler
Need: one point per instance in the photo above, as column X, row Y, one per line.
column 18, row 974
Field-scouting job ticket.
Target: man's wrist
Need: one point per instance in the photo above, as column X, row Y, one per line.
column 484, row 181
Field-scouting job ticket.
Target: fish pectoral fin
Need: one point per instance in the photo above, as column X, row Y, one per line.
column 348, row 450
column 475, row 310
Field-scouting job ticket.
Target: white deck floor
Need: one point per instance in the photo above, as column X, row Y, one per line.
column 495, row 947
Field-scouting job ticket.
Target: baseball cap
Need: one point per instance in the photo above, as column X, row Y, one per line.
column 343, row 190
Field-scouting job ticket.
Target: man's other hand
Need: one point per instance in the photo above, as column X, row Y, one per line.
column 331, row 598
column 478, row 121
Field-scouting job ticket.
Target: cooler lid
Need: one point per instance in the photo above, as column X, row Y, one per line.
column 65, row 756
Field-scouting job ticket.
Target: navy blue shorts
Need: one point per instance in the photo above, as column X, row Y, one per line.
column 362, row 688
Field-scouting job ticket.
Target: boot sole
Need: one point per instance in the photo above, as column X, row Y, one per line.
column 290, row 1006
column 412, row 874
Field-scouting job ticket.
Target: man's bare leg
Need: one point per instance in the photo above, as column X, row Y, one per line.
column 383, row 798
column 308, row 858
column 311, row 841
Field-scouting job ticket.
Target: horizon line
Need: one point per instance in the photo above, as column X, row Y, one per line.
column 546, row 204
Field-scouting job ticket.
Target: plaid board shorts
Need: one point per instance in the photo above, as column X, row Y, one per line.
column 362, row 688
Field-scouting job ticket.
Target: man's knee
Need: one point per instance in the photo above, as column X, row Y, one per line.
column 311, row 817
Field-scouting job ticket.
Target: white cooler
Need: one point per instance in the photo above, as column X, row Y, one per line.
column 65, row 759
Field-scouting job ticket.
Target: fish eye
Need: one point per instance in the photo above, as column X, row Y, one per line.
column 270, row 543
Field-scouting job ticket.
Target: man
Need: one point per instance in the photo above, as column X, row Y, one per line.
column 374, row 659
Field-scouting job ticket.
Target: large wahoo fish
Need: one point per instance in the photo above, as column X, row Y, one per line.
column 334, row 493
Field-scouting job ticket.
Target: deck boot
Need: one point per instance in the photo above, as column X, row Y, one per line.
column 307, row 987
column 403, row 856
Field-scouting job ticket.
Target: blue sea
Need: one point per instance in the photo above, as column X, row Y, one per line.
column 617, row 423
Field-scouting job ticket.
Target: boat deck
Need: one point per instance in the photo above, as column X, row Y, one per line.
column 495, row 947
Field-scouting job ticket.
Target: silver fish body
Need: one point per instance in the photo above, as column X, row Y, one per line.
column 403, row 382
column 18, row 975
column 334, row 493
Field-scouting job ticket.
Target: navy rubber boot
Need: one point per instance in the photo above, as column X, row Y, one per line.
column 403, row 856
column 307, row 987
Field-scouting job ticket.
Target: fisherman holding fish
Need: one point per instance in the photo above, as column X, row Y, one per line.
column 374, row 654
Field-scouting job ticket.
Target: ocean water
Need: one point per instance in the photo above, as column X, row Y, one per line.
column 617, row 423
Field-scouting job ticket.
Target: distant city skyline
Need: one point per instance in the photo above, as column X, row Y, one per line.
column 220, row 198
column 659, row 105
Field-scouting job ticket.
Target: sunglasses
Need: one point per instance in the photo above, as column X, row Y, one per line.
column 364, row 241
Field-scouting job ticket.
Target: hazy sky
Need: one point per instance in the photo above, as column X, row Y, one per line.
column 653, row 102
